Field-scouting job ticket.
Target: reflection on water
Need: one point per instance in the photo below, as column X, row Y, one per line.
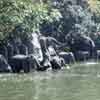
column 80, row 82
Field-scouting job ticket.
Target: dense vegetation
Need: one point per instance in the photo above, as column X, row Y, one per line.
column 57, row 18
column 22, row 17
column 80, row 16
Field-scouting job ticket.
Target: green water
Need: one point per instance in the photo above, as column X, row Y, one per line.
column 80, row 82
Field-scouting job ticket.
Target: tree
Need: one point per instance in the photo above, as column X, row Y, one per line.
column 21, row 17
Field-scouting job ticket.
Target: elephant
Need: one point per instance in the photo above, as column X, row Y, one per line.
column 19, row 47
column 96, row 38
column 20, row 62
column 37, row 50
column 22, row 48
column 3, row 50
column 50, row 41
column 56, row 61
column 12, row 45
column 30, row 47
column 38, row 65
column 82, row 55
column 38, row 58
column 10, row 50
column 48, row 60
column 18, row 56
column 25, row 63
column 68, row 57
column 79, row 42
column 4, row 66
column 46, row 57
column 14, row 49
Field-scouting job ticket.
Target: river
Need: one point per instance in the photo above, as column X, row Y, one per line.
column 78, row 82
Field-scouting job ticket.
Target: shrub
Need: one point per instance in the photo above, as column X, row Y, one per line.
column 22, row 17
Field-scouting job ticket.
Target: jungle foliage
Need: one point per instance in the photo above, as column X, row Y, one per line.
column 56, row 18
column 22, row 17
column 78, row 16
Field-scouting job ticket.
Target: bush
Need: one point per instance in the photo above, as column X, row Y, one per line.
column 22, row 17
column 73, row 15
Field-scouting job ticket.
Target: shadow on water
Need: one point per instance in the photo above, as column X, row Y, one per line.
column 79, row 82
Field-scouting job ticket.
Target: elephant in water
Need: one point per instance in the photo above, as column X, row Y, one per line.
column 18, row 56
column 50, row 41
column 20, row 63
column 50, row 53
column 68, row 57
column 37, row 52
column 4, row 66
column 57, row 62
column 3, row 51
column 41, row 53
column 38, row 55
column 79, row 42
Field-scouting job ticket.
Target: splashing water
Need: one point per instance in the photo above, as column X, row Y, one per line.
column 37, row 48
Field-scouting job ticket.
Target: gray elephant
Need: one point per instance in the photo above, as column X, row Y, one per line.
column 3, row 50
column 37, row 52
column 20, row 63
column 82, row 55
column 79, row 42
column 4, row 66
column 56, row 61
column 53, row 42
column 68, row 57
column 47, row 60
column 17, row 56
column 17, row 61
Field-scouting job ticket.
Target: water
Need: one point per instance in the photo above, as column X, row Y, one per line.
column 79, row 82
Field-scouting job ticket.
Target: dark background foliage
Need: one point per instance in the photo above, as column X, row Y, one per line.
column 56, row 18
